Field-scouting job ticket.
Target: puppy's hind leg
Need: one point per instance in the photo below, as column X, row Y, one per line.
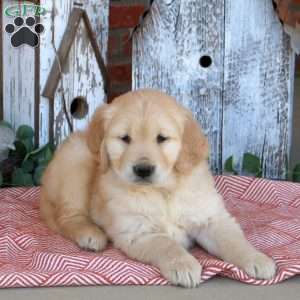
column 224, row 238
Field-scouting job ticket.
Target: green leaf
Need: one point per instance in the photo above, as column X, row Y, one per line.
column 33, row 154
column 45, row 156
column 25, row 132
column 20, row 150
column 251, row 164
column 38, row 173
column 296, row 173
column 5, row 124
column 27, row 165
column 28, row 144
column 43, row 163
column 21, row 178
column 228, row 166
column 44, row 153
column 48, row 154
column 259, row 174
column 1, row 179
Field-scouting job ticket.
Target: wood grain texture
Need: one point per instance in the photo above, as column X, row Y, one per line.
column 1, row 61
column 257, row 86
column 56, row 22
column 81, row 77
column 77, row 15
column 166, row 52
column 62, row 53
column 18, row 79
column 243, row 100
column 295, row 157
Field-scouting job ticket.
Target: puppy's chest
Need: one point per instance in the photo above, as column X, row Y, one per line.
column 172, row 211
column 182, row 211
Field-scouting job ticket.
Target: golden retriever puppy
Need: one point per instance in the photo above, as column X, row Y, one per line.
column 140, row 173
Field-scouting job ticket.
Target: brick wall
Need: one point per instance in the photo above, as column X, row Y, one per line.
column 123, row 16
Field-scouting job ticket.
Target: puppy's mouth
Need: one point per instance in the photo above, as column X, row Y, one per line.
column 143, row 181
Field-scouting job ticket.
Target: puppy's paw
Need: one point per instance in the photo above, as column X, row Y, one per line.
column 91, row 238
column 260, row 266
column 184, row 271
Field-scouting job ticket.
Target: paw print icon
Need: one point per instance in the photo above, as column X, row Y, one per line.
column 24, row 32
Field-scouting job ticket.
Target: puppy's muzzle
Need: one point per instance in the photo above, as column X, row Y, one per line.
column 143, row 170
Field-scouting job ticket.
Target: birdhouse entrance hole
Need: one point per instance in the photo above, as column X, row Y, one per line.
column 79, row 108
column 205, row 61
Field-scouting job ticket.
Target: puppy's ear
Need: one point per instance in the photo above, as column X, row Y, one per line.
column 194, row 147
column 95, row 136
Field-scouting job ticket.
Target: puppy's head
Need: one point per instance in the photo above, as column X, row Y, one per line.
column 145, row 136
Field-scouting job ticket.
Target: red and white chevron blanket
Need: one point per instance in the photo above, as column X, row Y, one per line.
column 31, row 255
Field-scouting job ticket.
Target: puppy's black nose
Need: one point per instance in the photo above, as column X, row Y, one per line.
column 143, row 170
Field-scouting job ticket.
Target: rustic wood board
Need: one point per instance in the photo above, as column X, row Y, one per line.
column 243, row 100
column 18, row 79
column 82, row 77
column 257, row 86
column 55, row 21
column 166, row 52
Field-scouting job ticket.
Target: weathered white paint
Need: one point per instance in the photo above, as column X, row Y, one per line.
column 81, row 76
column 19, row 65
column 46, row 59
column 166, row 52
column 243, row 100
column 18, row 79
column 257, row 85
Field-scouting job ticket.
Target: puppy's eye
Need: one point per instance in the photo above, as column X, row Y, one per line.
column 161, row 138
column 126, row 138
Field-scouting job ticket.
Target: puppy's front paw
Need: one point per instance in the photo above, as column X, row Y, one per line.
column 91, row 238
column 260, row 266
column 184, row 271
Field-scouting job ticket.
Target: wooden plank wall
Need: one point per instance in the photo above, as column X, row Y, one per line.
column 166, row 53
column 244, row 99
column 295, row 158
column 81, row 78
column 258, row 85
column 81, row 74
column 18, row 79
column 25, row 69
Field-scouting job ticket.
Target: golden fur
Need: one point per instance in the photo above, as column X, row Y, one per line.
column 91, row 187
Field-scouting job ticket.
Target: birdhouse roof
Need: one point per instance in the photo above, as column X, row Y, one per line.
column 60, row 59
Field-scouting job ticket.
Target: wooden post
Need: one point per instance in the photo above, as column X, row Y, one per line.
column 241, row 91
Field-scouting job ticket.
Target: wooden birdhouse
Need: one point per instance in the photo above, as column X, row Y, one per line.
column 55, row 86
column 231, row 63
column 77, row 82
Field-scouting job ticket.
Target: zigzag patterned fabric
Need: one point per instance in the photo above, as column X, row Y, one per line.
column 31, row 255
